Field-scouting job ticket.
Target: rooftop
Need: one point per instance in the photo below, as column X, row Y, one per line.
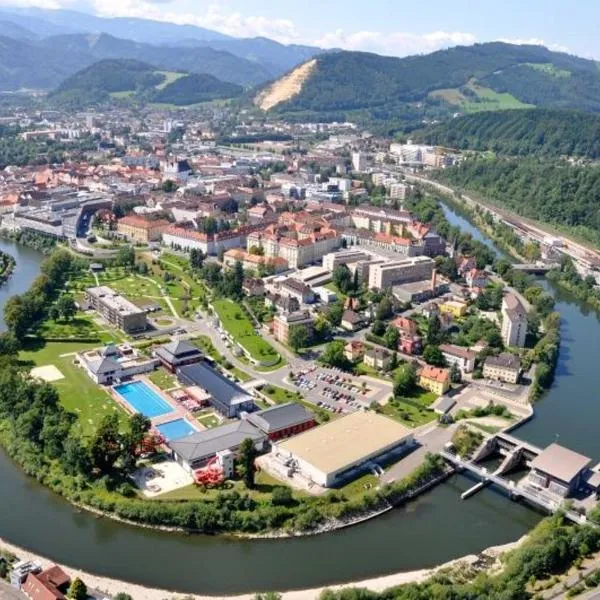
column 345, row 441
column 504, row 360
column 560, row 462
column 280, row 416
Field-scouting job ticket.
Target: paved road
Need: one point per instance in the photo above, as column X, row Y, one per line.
column 7, row 592
column 431, row 439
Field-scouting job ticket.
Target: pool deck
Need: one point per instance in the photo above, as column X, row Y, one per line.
column 178, row 412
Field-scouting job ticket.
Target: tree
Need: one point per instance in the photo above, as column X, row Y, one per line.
column 106, row 445
column 434, row 330
column 18, row 315
column 247, row 454
column 78, row 590
column 169, row 186
column 405, row 380
column 378, row 328
column 334, row 356
column 298, row 337
column 257, row 251
column 384, row 309
column 281, row 496
column 322, row 328
column 54, row 313
column 432, row 355
column 455, row 374
column 122, row 596
column 196, row 258
column 342, row 278
column 125, row 256
column 334, row 313
column 391, row 337
column 66, row 306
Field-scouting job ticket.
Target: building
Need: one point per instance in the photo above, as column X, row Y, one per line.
column 226, row 397
column 340, row 450
column 178, row 353
column 116, row 309
column 254, row 262
column 504, row 367
column 514, row 321
column 114, row 363
column 354, row 350
column 456, row 308
column 352, row 321
column 283, row 324
column 378, row 358
column 359, row 161
column 20, row 570
column 297, row 289
column 463, row 358
column 138, row 229
column 396, row 272
column 194, row 451
column 283, row 420
column 51, row 584
column 434, row 379
column 558, row 470
column 476, row 278
column 343, row 257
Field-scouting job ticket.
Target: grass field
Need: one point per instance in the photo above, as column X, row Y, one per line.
column 235, row 320
column 78, row 393
column 170, row 77
column 279, row 395
column 408, row 414
column 549, row 69
column 209, row 421
column 163, row 379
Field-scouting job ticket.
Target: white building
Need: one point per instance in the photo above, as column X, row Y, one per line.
column 359, row 161
column 514, row 321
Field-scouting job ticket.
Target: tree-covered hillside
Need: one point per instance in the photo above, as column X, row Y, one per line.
column 122, row 79
column 446, row 82
column 551, row 191
column 521, row 133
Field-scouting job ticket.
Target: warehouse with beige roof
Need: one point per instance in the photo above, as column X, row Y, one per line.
column 340, row 450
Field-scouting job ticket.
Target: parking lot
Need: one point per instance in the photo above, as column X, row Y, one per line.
column 334, row 390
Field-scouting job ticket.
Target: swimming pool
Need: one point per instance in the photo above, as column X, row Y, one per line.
column 143, row 399
column 173, row 430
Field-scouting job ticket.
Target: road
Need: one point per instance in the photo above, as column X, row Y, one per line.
column 7, row 592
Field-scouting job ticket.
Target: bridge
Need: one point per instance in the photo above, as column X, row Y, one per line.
column 535, row 269
column 514, row 491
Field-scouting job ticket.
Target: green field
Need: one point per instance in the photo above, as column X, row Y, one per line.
column 170, row 77
column 486, row 99
column 279, row 395
column 413, row 410
column 237, row 323
column 163, row 379
column 549, row 69
column 209, row 421
column 78, row 393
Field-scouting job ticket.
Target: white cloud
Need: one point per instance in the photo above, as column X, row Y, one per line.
column 534, row 42
column 395, row 43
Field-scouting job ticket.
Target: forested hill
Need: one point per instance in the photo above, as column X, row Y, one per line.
column 123, row 79
column 463, row 79
column 551, row 191
column 538, row 132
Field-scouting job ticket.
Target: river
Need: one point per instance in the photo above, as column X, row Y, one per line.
column 433, row 529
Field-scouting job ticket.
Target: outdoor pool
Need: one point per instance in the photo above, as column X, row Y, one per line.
column 143, row 399
column 173, row 430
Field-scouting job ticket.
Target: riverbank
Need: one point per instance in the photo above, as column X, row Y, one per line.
column 376, row 584
column 7, row 266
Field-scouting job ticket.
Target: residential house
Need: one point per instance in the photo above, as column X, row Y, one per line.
column 463, row 358
column 253, row 287
column 434, row 379
column 352, row 321
column 456, row 308
column 283, row 325
column 50, row 584
column 297, row 289
column 476, row 278
column 354, row 350
column 286, row 304
column 378, row 358
column 504, row 367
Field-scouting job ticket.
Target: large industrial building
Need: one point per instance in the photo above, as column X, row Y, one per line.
column 340, row 450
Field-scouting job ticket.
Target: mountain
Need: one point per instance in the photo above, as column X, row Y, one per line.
column 463, row 79
column 15, row 31
column 120, row 79
column 44, row 63
column 141, row 30
column 276, row 58
column 536, row 132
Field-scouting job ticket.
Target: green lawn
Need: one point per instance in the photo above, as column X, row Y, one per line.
column 279, row 395
column 235, row 320
column 170, row 77
column 78, row 393
column 359, row 486
column 412, row 411
column 209, row 421
column 163, row 379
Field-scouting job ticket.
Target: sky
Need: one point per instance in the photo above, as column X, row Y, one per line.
column 392, row 27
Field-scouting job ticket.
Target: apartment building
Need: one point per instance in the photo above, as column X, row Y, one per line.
column 116, row 309
column 283, row 324
column 504, row 367
column 385, row 275
column 463, row 358
column 434, row 379
column 514, row 321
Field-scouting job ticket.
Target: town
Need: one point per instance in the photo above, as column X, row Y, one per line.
column 293, row 316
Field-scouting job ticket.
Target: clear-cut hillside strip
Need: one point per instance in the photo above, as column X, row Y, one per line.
column 287, row 87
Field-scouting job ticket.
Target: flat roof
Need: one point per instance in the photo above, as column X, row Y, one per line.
column 560, row 462
column 345, row 441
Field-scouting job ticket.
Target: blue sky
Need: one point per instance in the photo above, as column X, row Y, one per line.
column 395, row 27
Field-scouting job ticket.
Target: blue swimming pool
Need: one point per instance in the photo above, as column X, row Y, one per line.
column 173, row 430
column 143, row 399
